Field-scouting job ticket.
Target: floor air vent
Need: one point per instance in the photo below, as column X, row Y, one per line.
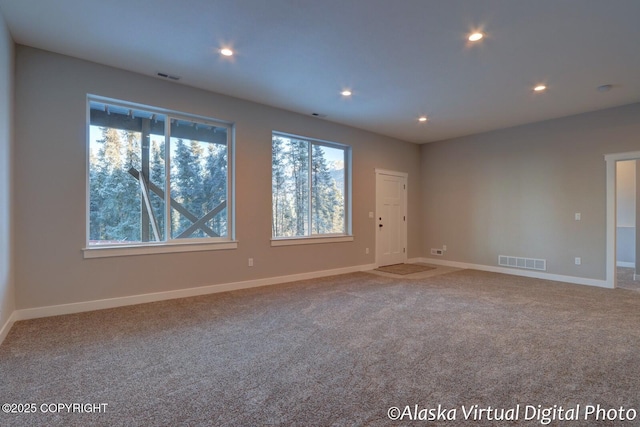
column 517, row 262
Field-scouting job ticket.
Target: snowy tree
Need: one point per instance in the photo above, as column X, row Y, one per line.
column 157, row 177
column 198, row 178
column 323, row 193
column 115, row 197
column 215, row 185
column 299, row 162
column 281, row 205
column 96, row 180
column 186, row 183
column 293, row 190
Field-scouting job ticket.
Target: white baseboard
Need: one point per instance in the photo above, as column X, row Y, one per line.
column 626, row 264
column 7, row 326
column 56, row 310
column 518, row 272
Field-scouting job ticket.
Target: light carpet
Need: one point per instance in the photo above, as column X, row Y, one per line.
column 337, row 351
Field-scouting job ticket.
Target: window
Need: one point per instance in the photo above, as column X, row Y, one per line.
column 310, row 187
column 157, row 177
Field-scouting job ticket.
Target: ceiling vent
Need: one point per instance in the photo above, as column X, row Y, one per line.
column 168, row 76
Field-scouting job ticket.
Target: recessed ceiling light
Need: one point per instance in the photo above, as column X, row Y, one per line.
column 345, row 92
column 475, row 37
column 226, row 51
column 540, row 88
column 422, row 119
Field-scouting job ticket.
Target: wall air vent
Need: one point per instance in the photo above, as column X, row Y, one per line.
column 518, row 262
column 168, row 76
column 320, row 116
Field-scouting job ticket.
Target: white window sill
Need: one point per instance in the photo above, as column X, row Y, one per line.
column 157, row 248
column 290, row 241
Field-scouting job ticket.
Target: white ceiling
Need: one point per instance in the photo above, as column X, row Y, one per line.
column 401, row 58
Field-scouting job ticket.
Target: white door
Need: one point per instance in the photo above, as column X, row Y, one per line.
column 391, row 217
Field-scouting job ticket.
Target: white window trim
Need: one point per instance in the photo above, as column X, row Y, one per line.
column 155, row 248
column 169, row 245
column 310, row 240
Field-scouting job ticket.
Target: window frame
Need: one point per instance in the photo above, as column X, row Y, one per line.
column 346, row 235
column 169, row 244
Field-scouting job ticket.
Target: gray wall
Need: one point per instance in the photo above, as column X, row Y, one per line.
column 6, row 106
column 511, row 192
column 515, row 191
column 50, row 153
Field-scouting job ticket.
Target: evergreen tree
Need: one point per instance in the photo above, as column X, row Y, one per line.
column 299, row 162
column 292, row 191
column 129, row 193
column 338, row 209
column 198, row 183
column 96, row 181
column 323, row 198
column 114, row 194
column 187, row 184
column 110, row 161
column 281, row 207
column 157, row 177
column 215, row 185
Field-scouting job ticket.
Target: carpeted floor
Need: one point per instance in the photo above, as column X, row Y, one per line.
column 338, row 351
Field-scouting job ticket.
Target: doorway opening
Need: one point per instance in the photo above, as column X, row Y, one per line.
column 627, row 198
column 623, row 204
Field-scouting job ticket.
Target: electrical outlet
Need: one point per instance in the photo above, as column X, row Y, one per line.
column 370, row 214
column 578, row 216
column 436, row 252
column 578, row 260
column 444, row 248
column 366, row 251
column 250, row 262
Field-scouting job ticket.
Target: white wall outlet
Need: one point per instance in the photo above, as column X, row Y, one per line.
column 578, row 216
column 578, row 260
column 250, row 262
column 444, row 247
column 366, row 250
column 370, row 214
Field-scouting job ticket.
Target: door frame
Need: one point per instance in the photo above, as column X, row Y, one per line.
column 404, row 175
column 612, row 160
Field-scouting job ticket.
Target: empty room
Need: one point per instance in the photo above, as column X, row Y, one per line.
column 319, row 213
